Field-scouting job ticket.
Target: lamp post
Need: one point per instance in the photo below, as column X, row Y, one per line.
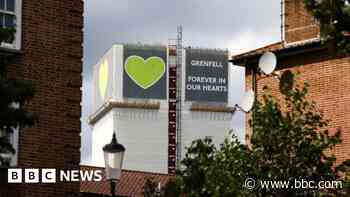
column 113, row 155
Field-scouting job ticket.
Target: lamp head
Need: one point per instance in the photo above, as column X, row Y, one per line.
column 114, row 156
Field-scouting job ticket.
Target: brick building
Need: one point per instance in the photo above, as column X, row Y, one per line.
column 48, row 51
column 301, row 50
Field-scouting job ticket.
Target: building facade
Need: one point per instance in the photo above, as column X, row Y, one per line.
column 142, row 117
column 327, row 74
column 48, row 51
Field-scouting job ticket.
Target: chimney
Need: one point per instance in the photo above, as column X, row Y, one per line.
column 298, row 24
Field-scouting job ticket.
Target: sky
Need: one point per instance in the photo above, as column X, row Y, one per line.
column 236, row 25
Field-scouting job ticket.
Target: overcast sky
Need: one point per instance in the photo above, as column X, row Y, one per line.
column 236, row 25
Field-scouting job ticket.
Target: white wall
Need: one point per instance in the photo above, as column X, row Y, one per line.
column 118, row 69
column 98, row 101
column 101, row 135
column 198, row 125
column 144, row 133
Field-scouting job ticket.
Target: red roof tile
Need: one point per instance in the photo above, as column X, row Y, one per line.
column 131, row 183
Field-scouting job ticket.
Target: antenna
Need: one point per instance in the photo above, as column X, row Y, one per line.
column 247, row 101
column 268, row 63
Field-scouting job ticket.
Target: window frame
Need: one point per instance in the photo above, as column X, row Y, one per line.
column 16, row 45
column 14, row 141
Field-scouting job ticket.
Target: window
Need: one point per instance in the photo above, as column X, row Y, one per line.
column 12, row 138
column 10, row 17
column 7, row 13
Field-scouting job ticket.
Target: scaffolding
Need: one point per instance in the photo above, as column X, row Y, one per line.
column 175, row 102
column 179, row 51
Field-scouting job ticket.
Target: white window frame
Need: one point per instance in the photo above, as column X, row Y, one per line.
column 18, row 25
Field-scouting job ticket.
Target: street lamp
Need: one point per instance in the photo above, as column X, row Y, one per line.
column 113, row 155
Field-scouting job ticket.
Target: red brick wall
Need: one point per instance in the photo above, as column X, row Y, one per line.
column 52, row 57
column 299, row 25
column 329, row 80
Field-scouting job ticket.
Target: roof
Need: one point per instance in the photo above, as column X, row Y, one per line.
column 212, row 107
column 109, row 105
column 130, row 185
column 280, row 49
column 270, row 47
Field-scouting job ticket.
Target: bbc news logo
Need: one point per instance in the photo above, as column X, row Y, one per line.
column 51, row 175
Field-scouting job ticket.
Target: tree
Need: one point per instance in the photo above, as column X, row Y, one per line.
column 290, row 141
column 14, row 94
column 208, row 171
column 334, row 18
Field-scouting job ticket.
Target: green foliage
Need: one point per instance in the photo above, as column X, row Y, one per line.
column 198, row 161
column 171, row 189
column 14, row 94
column 150, row 188
column 208, row 171
column 334, row 18
column 290, row 140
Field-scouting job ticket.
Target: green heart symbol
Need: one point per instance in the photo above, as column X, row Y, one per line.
column 103, row 78
column 145, row 73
